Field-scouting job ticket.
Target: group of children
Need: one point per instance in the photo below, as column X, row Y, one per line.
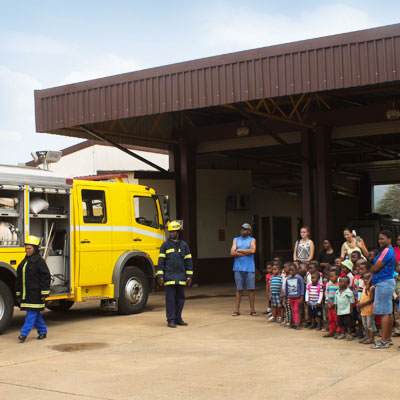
column 338, row 299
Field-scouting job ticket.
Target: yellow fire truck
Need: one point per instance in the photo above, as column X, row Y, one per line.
column 100, row 239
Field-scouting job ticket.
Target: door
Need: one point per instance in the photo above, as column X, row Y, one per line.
column 266, row 240
column 94, row 238
column 147, row 232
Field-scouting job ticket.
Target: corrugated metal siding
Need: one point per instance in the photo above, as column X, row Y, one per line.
column 341, row 61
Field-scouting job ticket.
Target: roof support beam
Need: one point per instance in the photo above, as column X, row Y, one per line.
column 128, row 135
column 246, row 115
column 122, row 148
column 381, row 150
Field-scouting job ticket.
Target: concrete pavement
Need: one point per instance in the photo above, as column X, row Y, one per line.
column 90, row 355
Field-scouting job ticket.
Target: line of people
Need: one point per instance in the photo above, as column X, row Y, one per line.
column 352, row 296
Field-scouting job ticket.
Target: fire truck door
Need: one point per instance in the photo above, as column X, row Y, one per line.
column 95, row 236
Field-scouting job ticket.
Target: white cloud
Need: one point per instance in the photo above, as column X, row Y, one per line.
column 238, row 29
column 18, row 42
column 10, row 137
column 101, row 66
column 16, row 98
column 17, row 130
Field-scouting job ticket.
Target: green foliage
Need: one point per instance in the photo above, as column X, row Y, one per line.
column 390, row 202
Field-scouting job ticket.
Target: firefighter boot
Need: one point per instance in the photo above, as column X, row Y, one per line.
column 21, row 338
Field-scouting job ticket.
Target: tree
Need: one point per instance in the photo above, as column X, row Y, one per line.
column 390, row 202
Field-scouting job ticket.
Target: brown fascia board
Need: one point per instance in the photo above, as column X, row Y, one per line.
column 269, row 51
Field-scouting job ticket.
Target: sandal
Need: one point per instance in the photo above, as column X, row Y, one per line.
column 235, row 314
column 341, row 337
column 254, row 314
column 368, row 342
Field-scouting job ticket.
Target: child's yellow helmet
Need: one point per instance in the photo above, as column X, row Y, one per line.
column 174, row 226
column 32, row 240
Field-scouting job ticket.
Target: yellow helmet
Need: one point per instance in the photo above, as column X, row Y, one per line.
column 174, row 226
column 32, row 240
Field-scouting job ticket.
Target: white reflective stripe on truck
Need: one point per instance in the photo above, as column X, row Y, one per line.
column 86, row 228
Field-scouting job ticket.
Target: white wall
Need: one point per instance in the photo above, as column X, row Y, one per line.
column 91, row 159
column 213, row 187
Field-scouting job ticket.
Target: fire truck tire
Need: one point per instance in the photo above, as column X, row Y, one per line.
column 6, row 306
column 134, row 291
column 59, row 305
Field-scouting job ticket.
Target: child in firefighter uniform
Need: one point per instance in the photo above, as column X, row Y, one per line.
column 175, row 271
column 32, row 287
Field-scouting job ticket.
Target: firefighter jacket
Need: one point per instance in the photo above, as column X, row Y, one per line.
column 33, row 282
column 175, row 262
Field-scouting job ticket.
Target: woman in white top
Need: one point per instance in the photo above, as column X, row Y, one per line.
column 353, row 242
column 304, row 248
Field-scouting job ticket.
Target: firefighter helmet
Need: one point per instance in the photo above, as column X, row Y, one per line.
column 174, row 226
column 32, row 240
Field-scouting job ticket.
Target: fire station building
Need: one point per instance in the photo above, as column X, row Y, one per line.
column 280, row 137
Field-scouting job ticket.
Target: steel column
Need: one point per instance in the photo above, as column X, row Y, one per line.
column 185, row 163
column 307, row 178
column 316, row 184
column 324, row 185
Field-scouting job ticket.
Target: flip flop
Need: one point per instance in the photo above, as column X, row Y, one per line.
column 235, row 314
column 254, row 314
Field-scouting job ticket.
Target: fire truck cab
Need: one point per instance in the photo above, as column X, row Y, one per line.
column 100, row 240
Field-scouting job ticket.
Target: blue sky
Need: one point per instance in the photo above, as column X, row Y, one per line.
column 49, row 43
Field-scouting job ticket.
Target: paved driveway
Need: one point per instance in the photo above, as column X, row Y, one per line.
column 90, row 355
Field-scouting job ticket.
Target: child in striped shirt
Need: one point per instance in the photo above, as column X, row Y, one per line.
column 275, row 285
column 287, row 311
column 267, row 283
column 314, row 294
column 331, row 290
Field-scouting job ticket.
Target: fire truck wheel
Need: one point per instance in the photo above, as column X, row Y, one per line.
column 133, row 291
column 59, row 305
column 6, row 306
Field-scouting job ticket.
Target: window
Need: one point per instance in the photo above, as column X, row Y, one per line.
column 94, row 206
column 146, row 212
column 386, row 200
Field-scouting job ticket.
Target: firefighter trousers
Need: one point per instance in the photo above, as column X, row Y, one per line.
column 174, row 302
column 33, row 319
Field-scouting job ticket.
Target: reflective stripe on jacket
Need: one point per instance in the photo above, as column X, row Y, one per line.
column 174, row 262
column 33, row 282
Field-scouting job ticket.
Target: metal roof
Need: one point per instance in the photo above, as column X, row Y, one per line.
column 347, row 60
column 16, row 175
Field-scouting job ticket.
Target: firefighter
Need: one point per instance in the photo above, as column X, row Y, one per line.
column 33, row 286
column 175, row 271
